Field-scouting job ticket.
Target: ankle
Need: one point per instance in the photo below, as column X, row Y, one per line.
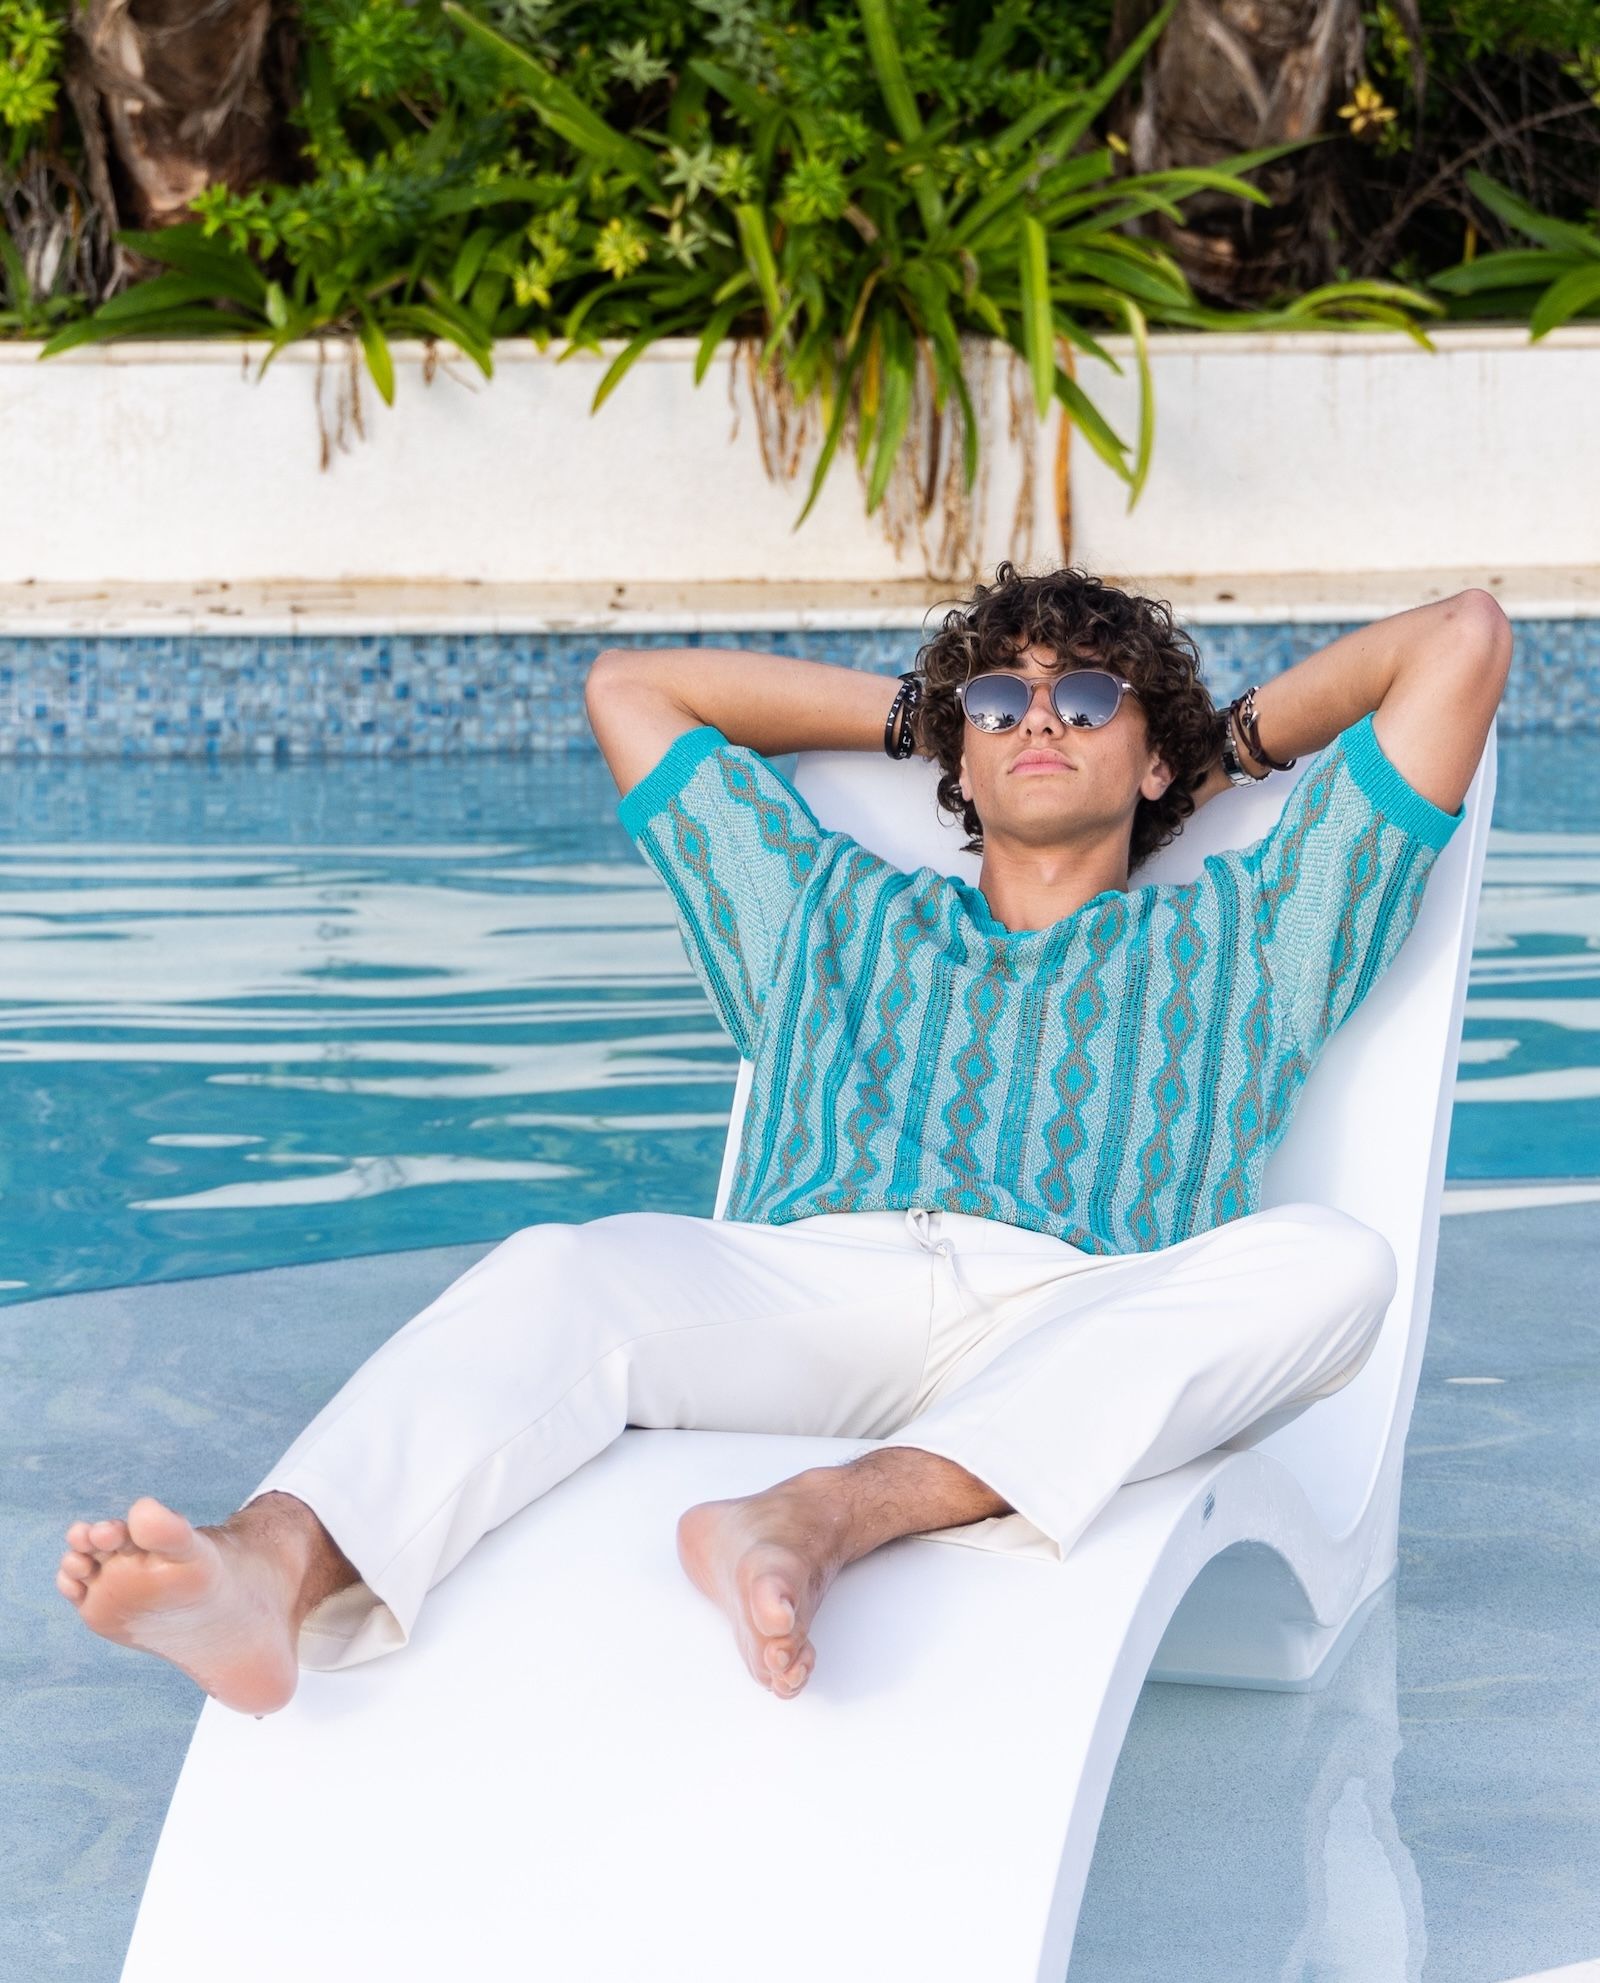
column 903, row 1490
column 834, row 1511
column 286, row 1532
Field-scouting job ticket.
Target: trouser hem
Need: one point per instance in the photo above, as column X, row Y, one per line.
column 359, row 1622
column 1029, row 1530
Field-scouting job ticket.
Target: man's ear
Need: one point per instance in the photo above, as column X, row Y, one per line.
column 1160, row 770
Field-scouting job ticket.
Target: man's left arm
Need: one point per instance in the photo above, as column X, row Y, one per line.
column 1433, row 675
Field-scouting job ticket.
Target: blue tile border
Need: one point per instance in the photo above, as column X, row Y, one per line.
column 280, row 697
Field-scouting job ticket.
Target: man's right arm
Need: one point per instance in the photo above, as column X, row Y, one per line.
column 639, row 701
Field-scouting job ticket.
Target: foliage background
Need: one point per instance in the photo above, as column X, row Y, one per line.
column 1508, row 88
column 854, row 186
column 395, row 107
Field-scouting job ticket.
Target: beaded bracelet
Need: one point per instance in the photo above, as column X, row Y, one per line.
column 907, row 698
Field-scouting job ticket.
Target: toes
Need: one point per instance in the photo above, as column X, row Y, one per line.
column 788, row 1664
column 778, row 1654
column 790, row 1682
column 78, row 1566
column 78, row 1535
column 152, row 1525
column 106, row 1536
column 71, row 1587
column 750, row 1651
column 772, row 1608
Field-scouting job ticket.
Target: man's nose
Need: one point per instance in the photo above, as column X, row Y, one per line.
column 1035, row 690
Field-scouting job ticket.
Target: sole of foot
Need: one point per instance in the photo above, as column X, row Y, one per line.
column 199, row 1598
column 735, row 1552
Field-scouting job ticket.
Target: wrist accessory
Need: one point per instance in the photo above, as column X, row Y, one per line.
column 1241, row 714
column 907, row 699
column 1245, row 716
column 1237, row 775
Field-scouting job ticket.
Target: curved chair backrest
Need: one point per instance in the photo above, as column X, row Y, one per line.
column 1371, row 1124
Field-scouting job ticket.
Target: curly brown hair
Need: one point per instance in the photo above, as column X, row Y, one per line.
column 1082, row 617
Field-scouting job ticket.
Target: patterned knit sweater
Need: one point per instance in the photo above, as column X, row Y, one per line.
column 1118, row 1079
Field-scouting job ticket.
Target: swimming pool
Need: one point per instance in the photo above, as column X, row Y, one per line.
column 262, row 1013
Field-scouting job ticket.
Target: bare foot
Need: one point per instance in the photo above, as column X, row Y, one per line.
column 219, row 1604
column 768, row 1559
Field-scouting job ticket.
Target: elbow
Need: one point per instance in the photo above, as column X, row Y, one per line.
column 1490, row 635
column 604, row 667
column 1485, row 609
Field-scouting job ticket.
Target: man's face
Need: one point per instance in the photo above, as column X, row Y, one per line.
column 1088, row 781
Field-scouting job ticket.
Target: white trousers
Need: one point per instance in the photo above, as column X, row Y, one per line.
column 1051, row 1374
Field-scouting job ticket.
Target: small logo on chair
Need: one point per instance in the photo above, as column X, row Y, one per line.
column 1208, row 1508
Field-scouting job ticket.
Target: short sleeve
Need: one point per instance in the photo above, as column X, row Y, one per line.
column 735, row 843
column 1338, row 881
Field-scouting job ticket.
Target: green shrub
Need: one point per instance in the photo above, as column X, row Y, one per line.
column 1506, row 88
column 856, row 190
column 1548, row 285
column 31, row 42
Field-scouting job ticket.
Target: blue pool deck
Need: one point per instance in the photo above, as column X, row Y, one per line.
column 268, row 1021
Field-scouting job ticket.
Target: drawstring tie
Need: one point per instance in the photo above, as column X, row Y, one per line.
column 923, row 1223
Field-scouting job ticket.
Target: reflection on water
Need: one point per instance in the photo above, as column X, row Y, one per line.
column 257, row 1015
column 253, row 1015
column 1251, row 1836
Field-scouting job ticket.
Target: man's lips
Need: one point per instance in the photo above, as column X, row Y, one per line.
column 1041, row 761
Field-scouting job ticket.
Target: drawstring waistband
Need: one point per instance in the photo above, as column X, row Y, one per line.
column 924, row 1224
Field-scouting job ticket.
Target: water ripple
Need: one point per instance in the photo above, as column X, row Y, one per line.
column 263, row 1043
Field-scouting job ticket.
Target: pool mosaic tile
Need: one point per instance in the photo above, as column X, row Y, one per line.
column 425, row 695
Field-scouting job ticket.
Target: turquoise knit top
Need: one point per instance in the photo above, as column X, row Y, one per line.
column 1118, row 1079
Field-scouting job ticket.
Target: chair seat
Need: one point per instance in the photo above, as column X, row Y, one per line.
column 569, row 1772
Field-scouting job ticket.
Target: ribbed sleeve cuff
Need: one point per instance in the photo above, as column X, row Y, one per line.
column 636, row 808
column 1391, row 794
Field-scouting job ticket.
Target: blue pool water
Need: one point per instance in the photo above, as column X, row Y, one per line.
column 260, row 1014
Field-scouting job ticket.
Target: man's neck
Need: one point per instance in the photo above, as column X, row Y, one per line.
column 1031, row 888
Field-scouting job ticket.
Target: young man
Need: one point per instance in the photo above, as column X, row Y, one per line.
column 995, row 1202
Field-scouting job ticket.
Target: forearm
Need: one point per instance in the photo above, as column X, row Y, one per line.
column 772, row 703
column 1302, row 710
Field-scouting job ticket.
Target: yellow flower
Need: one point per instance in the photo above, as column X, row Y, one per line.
column 1116, row 144
column 1366, row 108
column 620, row 247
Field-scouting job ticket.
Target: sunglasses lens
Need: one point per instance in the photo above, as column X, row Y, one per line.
column 994, row 702
column 1084, row 698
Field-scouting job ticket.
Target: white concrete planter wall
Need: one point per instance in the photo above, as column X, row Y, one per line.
column 1314, row 454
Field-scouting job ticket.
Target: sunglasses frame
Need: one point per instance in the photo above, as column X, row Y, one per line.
column 1124, row 688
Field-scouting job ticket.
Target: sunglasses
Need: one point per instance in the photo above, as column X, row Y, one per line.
column 1083, row 698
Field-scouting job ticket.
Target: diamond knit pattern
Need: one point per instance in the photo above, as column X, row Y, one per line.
column 1117, row 1080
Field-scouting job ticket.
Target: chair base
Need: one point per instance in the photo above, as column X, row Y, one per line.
column 1244, row 1622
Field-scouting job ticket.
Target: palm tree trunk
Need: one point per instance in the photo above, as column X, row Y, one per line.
column 1228, row 76
column 177, row 95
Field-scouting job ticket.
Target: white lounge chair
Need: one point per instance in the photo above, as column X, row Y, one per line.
column 568, row 1774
